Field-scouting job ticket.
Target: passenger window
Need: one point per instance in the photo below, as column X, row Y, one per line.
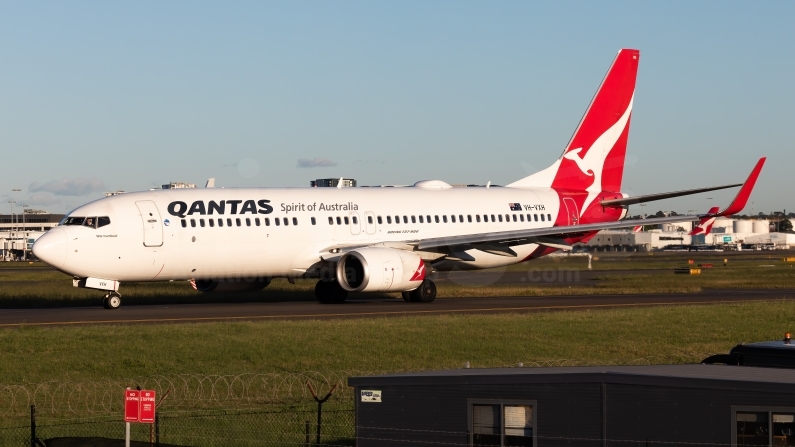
column 477, row 218
column 286, row 221
column 220, row 222
column 276, row 221
column 452, row 218
column 436, row 219
column 184, row 224
column 211, row 222
column 405, row 219
column 256, row 221
column 549, row 217
column 389, row 219
column 429, row 218
column 355, row 220
column 380, row 221
column 461, row 218
column 313, row 221
column 521, row 217
column 514, row 217
column 347, row 222
column 295, row 221
column 102, row 221
column 201, row 223
column 421, row 221
column 237, row 221
column 413, row 219
column 267, row 222
column 228, row 221
column 248, row 222
column 542, row 218
column 485, row 218
column 339, row 221
column 397, row 219
column 444, row 218
column 330, row 220
column 500, row 216
column 193, row 223
column 370, row 220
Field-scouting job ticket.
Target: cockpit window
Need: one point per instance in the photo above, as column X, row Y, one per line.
column 74, row 221
column 91, row 222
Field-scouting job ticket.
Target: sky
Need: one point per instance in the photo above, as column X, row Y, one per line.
column 105, row 96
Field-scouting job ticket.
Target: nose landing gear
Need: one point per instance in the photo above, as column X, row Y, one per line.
column 111, row 300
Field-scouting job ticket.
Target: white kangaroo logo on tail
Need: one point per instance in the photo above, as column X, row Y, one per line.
column 594, row 160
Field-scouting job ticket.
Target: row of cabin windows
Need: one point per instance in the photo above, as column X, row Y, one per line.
column 355, row 220
column 239, row 222
column 460, row 218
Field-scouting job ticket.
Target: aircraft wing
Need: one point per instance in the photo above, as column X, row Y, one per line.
column 551, row 236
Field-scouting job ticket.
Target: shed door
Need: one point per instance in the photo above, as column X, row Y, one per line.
column 153, row 229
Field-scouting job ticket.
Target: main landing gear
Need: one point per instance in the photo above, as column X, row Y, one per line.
column 425, row 293
column 111, row 300
column 330, row 292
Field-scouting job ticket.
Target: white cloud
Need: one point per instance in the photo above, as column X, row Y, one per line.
column 317, row 162
column 42, row 198
column 69, row 186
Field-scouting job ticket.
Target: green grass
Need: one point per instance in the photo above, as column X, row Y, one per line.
column 619, row 336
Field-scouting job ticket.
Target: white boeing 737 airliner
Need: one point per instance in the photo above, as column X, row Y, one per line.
column 365, row 239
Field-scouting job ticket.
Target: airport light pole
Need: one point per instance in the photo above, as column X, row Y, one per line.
column 13, row 190
column 24, row 235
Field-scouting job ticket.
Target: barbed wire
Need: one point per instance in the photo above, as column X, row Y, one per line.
column 237, row 391
column 187, row 391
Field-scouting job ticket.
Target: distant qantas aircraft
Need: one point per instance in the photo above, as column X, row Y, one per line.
column 365, row 239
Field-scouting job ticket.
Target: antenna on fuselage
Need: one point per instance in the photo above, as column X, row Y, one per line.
column 210, row 183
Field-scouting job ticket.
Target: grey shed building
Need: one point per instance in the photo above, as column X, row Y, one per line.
column 616, row 406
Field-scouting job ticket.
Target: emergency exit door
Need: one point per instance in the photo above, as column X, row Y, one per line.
column 153, row 228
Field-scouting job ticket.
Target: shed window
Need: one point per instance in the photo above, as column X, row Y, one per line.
column 507, row 423
column 757, row 427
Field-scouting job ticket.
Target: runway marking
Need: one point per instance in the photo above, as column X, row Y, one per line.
column 437, row 311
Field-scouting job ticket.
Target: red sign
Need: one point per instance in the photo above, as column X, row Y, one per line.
column 131, row 405
column 147, row 414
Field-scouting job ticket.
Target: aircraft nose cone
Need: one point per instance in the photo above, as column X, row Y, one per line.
column 51, row 247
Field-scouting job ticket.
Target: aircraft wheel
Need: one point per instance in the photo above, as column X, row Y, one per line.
column 330, row 292
column 425, row 293
column 406, row 296
column 111, row 300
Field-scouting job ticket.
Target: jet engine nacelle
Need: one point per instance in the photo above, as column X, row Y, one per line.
column 380, row 270
column 211, row 285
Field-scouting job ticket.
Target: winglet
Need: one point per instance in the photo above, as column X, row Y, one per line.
column 741, row 200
